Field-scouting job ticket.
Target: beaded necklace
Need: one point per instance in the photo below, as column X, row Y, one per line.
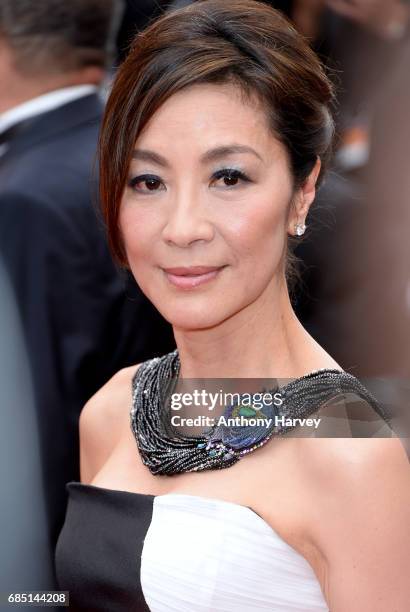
column 164, row 451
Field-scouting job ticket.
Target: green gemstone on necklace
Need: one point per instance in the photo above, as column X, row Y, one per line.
column 246, row 411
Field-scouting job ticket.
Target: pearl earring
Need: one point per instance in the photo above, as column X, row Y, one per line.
column 300, row 229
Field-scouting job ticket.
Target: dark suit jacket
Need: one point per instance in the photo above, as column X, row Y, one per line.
column 81, row 322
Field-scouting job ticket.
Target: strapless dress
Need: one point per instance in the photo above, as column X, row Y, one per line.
column 121, row 552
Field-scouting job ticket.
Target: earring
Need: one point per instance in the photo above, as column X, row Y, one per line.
column 300, row 229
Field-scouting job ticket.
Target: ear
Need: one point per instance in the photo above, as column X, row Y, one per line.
column 303, row 198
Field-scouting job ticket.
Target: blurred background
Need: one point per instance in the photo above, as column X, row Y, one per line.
column 69, row 318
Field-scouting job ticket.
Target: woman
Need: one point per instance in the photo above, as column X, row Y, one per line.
column 216, row 133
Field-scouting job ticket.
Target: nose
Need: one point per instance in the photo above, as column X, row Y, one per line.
column 187, row 221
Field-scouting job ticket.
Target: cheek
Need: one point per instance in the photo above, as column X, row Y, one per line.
column 138, row 233
column 137, row 229
column 259, row 233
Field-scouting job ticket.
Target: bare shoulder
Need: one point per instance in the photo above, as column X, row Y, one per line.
column 102, row 420
column 110, row 401
column 343, row 461
column 358, row 516
column 339, row 469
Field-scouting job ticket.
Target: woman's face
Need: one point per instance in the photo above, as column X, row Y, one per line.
column 205, row 214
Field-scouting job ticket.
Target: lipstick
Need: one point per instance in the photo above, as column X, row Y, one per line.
column 191, row 276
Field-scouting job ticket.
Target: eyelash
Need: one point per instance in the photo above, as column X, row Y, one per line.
column 231, row 173
column 141, row 179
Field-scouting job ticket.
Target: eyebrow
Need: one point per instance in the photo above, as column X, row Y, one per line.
column 150, row 156
column 223, row 151
column 212, row 155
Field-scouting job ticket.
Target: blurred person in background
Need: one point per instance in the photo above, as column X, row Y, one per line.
column 359, row 39
column 385, row 225
column 81, row 321
column 359, row 218
column 384, row 334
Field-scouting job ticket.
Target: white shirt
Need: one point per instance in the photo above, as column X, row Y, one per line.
column 43, row 103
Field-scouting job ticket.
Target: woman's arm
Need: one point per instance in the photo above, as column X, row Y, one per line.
column 359, row 518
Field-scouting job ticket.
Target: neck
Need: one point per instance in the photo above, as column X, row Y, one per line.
column 265, row 339
column 20, row 90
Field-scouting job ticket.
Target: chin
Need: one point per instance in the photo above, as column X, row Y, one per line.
column 192, row 317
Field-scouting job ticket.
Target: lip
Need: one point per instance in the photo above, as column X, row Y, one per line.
column 192, row 276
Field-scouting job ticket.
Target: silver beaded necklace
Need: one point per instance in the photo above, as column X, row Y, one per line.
column 165, row 451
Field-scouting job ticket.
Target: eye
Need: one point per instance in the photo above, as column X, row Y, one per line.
column 230, row 177
column 146, row 183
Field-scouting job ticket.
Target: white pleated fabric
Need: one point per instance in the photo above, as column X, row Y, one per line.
column 209, row 555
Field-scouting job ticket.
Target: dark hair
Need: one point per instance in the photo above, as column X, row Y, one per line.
column 241, row 41
column 59, row 35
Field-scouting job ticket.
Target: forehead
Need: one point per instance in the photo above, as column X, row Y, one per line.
column 206, row 115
